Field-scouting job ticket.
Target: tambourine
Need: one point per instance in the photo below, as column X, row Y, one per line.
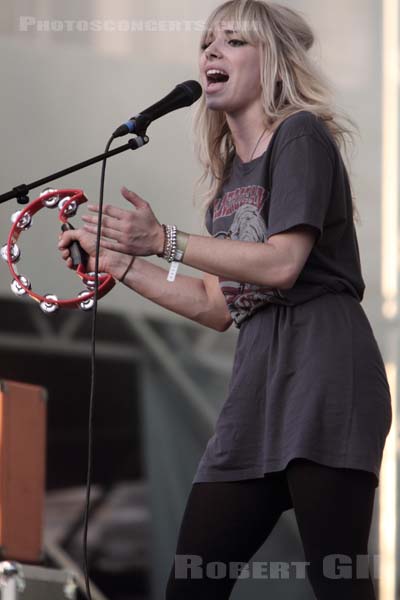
column 67, row 202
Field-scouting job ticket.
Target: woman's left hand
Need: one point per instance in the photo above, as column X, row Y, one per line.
column 136, row 232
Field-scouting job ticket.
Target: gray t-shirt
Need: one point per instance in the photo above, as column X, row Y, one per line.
column 308, row 378
column 300, row 179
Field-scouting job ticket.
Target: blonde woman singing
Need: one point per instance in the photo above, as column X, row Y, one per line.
column 308, row 407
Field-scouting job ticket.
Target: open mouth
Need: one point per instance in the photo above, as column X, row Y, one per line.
column 216, row 77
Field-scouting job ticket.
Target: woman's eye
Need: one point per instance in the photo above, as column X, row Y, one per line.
column 234, row 43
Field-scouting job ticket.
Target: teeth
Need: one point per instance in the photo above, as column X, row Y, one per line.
column 216, row 72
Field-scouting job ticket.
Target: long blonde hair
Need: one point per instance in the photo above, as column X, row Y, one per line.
column 291, row 82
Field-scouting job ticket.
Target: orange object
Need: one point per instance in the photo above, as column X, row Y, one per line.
column 22, row 470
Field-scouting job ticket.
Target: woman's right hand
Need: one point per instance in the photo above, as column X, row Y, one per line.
column 111, row 262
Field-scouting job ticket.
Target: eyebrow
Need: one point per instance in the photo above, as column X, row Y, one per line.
column 226, row 31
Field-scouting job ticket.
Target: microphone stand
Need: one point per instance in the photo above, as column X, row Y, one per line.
column 20, row 192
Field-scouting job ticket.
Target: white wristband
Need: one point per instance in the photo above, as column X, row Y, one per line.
column 173, row 271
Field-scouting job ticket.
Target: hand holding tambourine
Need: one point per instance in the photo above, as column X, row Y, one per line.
column 67, row 201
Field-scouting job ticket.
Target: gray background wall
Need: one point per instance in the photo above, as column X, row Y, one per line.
column 63, row 93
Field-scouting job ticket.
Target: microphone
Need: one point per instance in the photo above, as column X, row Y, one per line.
column 184, row 94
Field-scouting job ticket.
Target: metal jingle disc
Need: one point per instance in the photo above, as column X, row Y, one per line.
column 71, row 209
column 86, row 304
column 15, row 253
column 24, row 223
column 49, row 307
column 4, row 253
column 17, row 288
column 51, row 202
column 91, row 284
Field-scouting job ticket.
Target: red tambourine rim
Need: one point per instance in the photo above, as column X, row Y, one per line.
column 105, row 281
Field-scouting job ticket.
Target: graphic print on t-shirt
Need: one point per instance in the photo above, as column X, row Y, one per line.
column 300, row 180
column 237, row 216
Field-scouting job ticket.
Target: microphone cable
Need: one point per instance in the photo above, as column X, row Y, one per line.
column 182, row 95
column 93, row 377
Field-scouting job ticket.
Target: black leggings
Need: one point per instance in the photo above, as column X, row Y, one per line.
column 227, row 522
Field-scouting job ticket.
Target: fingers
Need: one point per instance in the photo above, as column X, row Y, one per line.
column 119, row 213
column 112, row 245
column 133, row 198
column 65, row 255
column 108, row 209
column 65, row 239
column 106, row 232
column 110, row 223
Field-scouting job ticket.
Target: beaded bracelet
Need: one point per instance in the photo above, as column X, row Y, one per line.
column 175, row 243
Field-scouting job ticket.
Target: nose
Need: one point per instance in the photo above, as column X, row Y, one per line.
column 213, row 50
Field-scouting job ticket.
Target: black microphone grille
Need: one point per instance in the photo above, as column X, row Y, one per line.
column 192, row 89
